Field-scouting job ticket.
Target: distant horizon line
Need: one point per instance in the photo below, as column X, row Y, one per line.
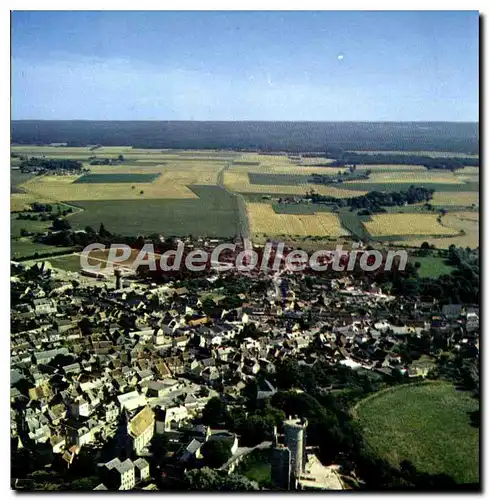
column 243, row 121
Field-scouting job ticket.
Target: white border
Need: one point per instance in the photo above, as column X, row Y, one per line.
column 187, row 5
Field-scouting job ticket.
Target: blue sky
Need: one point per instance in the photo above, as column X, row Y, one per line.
column 325, row 66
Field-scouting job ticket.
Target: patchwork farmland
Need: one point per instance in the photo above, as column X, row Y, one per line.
column 465, row 223
column 182, row 192
column 400, row 224
column 407, row 177
column 239, row 181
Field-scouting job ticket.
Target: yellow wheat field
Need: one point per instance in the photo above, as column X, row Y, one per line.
column 276, row 160
column 392, row 168
column 462, row 220
column 470, row 170
column 282, row 160
column 62, row 188
column 470, row 240
column 408, row 177
column 406, row 224
column 467, row 177
column 285, row 168
column 23, row 201
column 124, row 169
column 263, row 220
column 174, row 171
column 462, row 198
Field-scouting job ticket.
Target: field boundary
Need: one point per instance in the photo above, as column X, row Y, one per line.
column 243, row 219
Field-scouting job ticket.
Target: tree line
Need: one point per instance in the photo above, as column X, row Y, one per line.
column 376, row 200
column 106, row 161
column 51, row 164
column 449, row 163
column 352, row 175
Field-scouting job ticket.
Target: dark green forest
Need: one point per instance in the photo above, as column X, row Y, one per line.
column 261, row 136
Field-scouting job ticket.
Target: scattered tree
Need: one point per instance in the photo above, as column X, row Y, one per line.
column 216, row 452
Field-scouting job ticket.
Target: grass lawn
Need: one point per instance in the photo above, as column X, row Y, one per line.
column 427, row 424
column 214, row 214
column 257, row 467
column 116, row 178
column 431, row 266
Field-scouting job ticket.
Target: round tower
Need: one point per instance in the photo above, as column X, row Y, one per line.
column 295, row 440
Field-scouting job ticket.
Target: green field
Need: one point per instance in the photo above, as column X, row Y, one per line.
column 16, row 178
column 245, row 163
column 353, row 223
column 116, row 178
column 214, row 214
column 66, row 262
column 431, row 266
column 257, row 467
column 427, row 424
column 32, row 226
column 25, row 247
